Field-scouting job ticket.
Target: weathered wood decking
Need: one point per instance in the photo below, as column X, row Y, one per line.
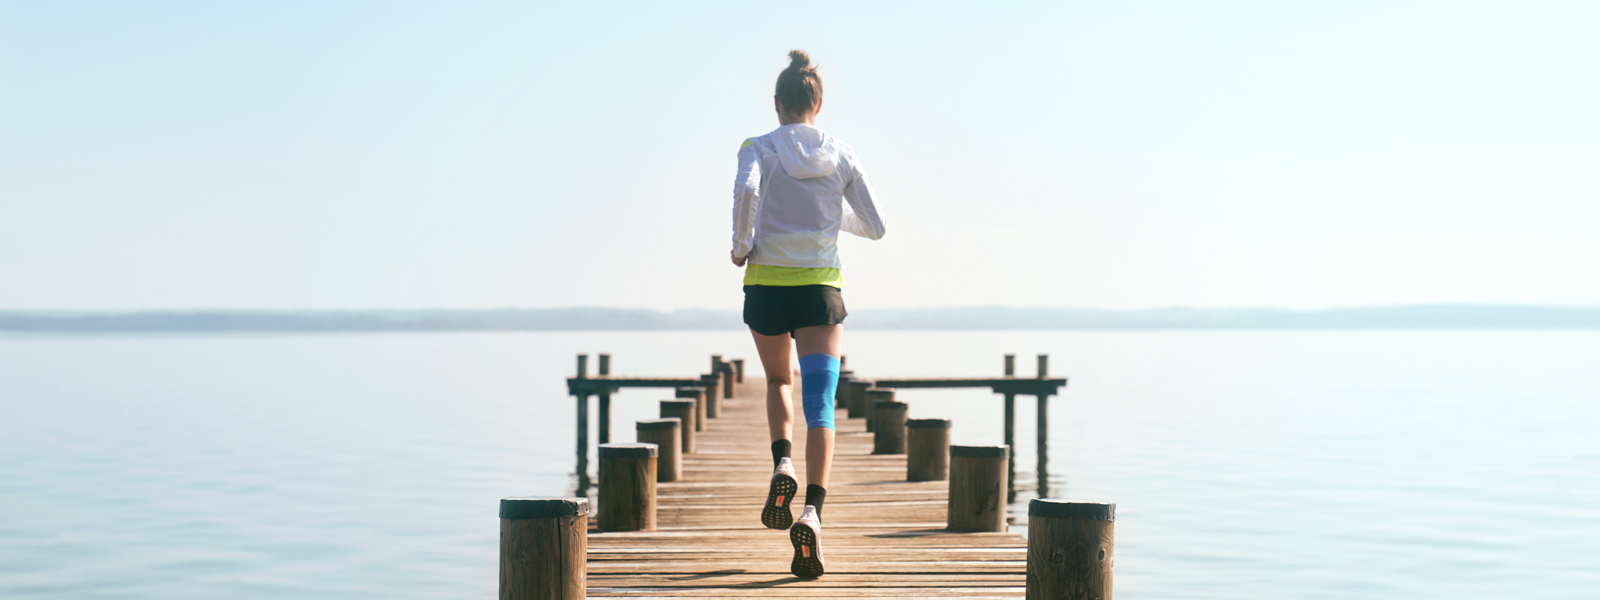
column 881, row 535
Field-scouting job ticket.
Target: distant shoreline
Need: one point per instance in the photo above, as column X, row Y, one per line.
column 935, row 319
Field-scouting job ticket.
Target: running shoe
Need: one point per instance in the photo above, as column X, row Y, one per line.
column 776, row 515
column 806, row 536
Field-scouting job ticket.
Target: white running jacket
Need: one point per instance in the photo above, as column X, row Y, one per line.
column 789, row 196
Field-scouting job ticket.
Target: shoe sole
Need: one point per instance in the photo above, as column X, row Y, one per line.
column 807, row 563
column 776, row 514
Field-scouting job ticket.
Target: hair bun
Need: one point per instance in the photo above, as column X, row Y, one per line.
column 798, row 59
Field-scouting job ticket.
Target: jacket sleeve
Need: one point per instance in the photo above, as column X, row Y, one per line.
column 746, row 199
column 862, row 219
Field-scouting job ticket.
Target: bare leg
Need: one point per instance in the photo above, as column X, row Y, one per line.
column 777, row 362
column 819, row 339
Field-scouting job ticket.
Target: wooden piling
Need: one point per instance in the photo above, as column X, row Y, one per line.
column 890, row 436
column 1011, row 431
column 724, row 370
column 683, row 410
column 927, row 449
column 667, row 435
column 710, row 383
column 977, row 488
column 738, row 370
column 699, row 397
column 544, row 546
column 627, row 487
column 583, row 427
column 858, row 397
column 841, row 395
column 872, row 397
column 1070, row 549
column 1042, row 434
column 605, row 402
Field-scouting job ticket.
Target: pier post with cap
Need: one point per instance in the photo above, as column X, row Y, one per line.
column 698, row 395
column 890, row 435
column 627, row 487
column 927, row 449
column 666, row 434
column 683, row 411
column 710, row 383
column 977, row 500
column 544, row 547
column 1070, row 549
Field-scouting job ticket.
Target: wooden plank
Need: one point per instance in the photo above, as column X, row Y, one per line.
column 999, row 385
column 605, row 383
column 883, row 536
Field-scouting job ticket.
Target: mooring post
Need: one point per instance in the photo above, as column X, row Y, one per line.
column 738, row 370
column 1070, row 549
column 890, row 436
column 683, row 411
column 841, row 395
column 927, row 449
column 977, row 488
column 583, row 428
column 1044, row 430
column 1011, row 430
column 605, row 401
column 858, row 396
column 1011, row 403
column 627, row 487
column 544, row 548
column 710, row 383
column 699, row 397
column 667, row 435
column 723, row 370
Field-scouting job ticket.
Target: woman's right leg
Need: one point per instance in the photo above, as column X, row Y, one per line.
column 777, row 361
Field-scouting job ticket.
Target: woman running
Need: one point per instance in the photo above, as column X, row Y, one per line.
column 788, row 210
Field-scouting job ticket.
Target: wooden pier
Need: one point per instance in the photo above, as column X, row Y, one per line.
column 881, row 535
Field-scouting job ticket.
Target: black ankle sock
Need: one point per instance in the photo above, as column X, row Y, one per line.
column 780, row 450
column 815, row 494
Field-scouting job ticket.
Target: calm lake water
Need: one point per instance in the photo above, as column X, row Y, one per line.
column 1264, row 465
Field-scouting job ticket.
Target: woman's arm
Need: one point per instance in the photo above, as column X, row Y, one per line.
column 863, row 218
column 746, row 201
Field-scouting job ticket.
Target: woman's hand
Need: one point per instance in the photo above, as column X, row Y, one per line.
column 738, row 261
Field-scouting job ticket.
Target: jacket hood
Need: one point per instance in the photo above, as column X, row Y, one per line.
column 805, row 151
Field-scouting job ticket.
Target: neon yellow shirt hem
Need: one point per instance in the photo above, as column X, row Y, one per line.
column 755, row 274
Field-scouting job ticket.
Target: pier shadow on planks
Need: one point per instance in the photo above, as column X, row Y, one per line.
column 881, row 535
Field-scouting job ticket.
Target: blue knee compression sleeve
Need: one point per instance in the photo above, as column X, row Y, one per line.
column 819, row 377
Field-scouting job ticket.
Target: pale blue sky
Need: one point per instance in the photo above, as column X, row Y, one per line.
column 1088, row 154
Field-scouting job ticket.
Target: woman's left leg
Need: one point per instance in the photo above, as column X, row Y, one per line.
column 808, row 341
column 818, row 347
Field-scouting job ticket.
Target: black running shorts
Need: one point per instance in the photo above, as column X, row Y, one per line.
column 780, row 309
